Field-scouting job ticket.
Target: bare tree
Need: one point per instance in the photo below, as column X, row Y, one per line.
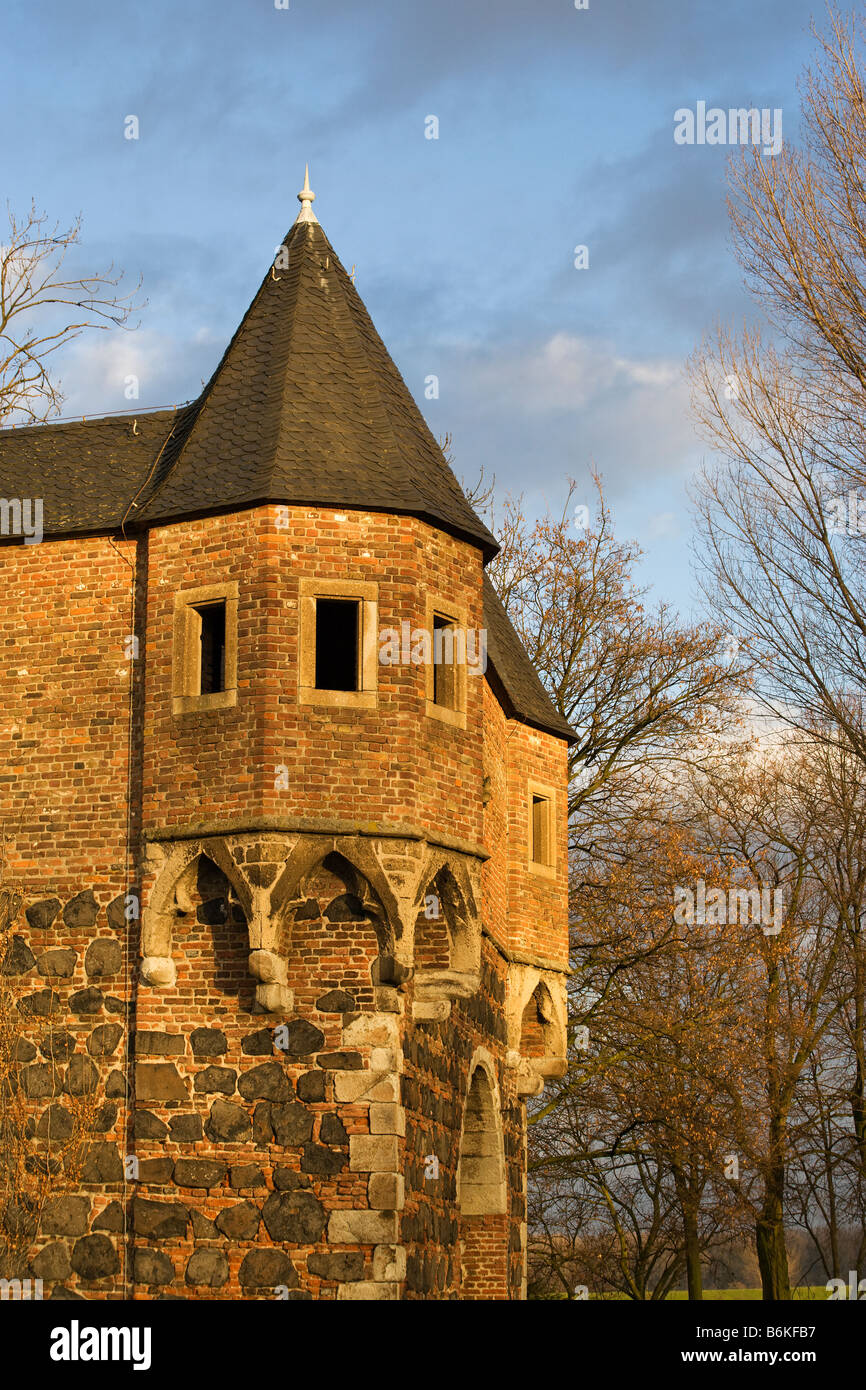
column 43, row 308
column 640, row 687
column 783, row 516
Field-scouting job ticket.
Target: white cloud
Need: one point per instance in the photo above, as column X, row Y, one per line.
column 569, row 403
column 97, row 368
column 568, row 372
column 664, row 524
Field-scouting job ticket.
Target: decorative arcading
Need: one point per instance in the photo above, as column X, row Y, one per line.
column 393, row 878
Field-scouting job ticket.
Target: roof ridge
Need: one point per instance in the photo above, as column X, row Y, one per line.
column 118, row 417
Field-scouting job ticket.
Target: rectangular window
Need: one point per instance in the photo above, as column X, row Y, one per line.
column 205, row 663
column 337, row 643
column 540, row 830
column 212, row 636
column 444, row 655
column 445, row 677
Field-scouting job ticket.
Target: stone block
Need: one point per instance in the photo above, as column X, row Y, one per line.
column 373, row 1153
column 371, row 1030
column 222, row 1079
column 207, row 1267
column 386, row 1059
column 52, row 1262
column 103, row 957
column 94, row 1257
column 342, row 1268
column 387, row 1119
column 366, row 1291
column 59, row 963
column 267, row 1081
column 159, row 971
column 159, row 1044
column 431, row 1010
column 199, row 1172
column 366, row 1086
column 158, row 1082
column 389, row 1263
column 208, row 1042
column 362, row 1228
column 65, row 1216
column 386, row 1191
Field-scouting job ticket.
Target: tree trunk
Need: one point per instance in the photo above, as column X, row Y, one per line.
column 772, row 1253
column 693, row 1255
column 689, row 1201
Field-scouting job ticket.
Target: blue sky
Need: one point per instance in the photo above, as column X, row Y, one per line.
column 555, row 130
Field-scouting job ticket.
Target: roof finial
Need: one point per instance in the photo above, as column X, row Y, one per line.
column 306, row 198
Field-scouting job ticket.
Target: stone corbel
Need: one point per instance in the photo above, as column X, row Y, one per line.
column 160, row 971
column 272, row 993
column 527, row 1079
column 532, row 1072
column 549, row 1068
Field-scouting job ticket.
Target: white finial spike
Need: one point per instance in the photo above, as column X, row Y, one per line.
column 306, row 199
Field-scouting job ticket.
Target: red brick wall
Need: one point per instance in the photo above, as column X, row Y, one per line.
column 527, row 911
column 484, row 1243
column 392, row 763
column 435, row 1086
column 64, row 714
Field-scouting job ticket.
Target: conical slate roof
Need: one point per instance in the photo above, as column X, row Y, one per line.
column 306, row 406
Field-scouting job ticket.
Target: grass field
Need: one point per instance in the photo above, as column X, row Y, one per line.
column 811, row 1291
column 808, row 1292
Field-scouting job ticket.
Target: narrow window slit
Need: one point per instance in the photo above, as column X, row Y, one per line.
column 213, row 647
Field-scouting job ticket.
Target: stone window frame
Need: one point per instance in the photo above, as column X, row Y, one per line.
column 366, row 592
column 438, row 607
column 186, row 697
column 535, row 788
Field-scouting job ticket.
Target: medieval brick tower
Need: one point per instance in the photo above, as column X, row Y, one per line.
column 284, row 803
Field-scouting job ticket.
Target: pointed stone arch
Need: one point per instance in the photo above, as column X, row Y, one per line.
column 361, row 871
column 171, row 898
column 536, row 1017
column 482, row 1194
column 454, row 908
column 538, row 1025
column 481, row 1189
column 447, row 944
